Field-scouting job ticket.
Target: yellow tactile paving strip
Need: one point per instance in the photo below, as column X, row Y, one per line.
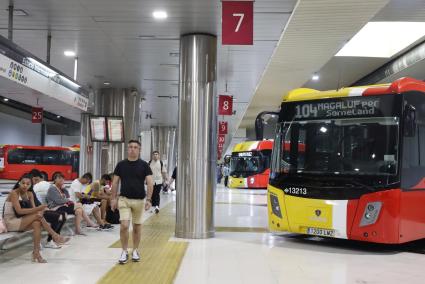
column 161, row 258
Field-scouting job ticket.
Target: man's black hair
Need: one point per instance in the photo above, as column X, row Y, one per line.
column 88, row 176
column 58, row 175
column 135, row 141
column 106, row 177
column 35, row 173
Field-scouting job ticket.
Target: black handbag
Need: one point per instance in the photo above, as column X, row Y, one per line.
column 24, row 204
column 112, row 217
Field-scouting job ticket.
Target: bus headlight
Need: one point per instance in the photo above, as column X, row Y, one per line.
column 252, row 180
column 371, row 213
column 274, row 202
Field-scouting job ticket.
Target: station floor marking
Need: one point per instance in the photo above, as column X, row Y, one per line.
column 242, row 203
column 242, row 229
column 160, row 257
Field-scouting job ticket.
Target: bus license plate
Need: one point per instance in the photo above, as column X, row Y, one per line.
column 321, row 232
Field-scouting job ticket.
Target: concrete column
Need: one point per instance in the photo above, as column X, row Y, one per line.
column 196, row 155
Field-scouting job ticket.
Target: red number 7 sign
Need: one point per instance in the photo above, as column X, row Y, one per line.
column 237, row 22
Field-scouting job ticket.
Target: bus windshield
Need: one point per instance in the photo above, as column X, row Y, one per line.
column 348, row 146
column 249, row 163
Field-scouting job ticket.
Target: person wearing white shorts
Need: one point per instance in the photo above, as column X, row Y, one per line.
column 76, row 192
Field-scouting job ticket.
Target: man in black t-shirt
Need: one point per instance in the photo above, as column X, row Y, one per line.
column 133, row 173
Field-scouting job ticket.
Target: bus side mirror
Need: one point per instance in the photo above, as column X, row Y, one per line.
column 409, row 121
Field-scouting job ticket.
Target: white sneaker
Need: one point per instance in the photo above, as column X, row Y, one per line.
column 124, row 257
column 156, row 209
column 52, row 245
column 135, row 256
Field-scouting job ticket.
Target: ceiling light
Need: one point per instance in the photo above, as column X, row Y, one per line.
column 69, row 53
column 159, row 15
column 106, row 83
column 6, row 99
column 383, row 39
column 315, row 77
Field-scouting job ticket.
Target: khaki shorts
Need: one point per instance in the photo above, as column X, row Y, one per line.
column 131, row 208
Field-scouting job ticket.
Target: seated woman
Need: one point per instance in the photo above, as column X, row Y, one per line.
column 21, row 214
column 58, row 199
column 55, row 219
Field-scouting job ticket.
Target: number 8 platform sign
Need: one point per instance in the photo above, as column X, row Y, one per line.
column 225, row 105
column 237, row 22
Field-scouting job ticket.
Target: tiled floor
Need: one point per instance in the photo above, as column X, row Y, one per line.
column 230, row 257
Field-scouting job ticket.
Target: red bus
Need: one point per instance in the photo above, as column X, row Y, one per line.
column 361, row 172
column 16, row 160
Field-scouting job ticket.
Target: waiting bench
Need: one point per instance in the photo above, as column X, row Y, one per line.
column 4, row 237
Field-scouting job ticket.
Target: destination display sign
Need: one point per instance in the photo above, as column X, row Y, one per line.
column 346, row 107
column 243, row 154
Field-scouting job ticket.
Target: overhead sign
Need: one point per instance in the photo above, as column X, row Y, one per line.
column 237, row 22
column 225, row 105
column 23, row 68
column 222, row 127
column 37, row 115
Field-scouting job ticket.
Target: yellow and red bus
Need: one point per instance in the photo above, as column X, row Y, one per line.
column 250, row 164
column 361, row 173
column 16, row 160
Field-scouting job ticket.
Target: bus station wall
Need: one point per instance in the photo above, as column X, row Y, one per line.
column 17, row 130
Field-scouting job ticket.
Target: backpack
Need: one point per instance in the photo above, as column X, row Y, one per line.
column 162, row 164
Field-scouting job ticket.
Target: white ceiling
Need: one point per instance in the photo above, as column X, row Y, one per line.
column 106, row 36
column 344, row 71
column 316, row 31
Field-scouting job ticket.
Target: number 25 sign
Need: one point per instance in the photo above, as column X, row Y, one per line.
column 237, row 22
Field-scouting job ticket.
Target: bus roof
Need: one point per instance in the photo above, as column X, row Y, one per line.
column 38, row 147
column 401, row 85
column 253, row 146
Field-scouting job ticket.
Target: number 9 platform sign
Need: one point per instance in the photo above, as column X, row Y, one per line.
column 237, row 22
column 222, row 127
column 225, row 105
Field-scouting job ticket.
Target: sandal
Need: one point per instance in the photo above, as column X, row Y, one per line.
column 60, row 240
column 38, row 258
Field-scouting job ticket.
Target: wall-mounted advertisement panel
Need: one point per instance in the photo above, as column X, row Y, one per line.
column 98, row 128
column 115, row 129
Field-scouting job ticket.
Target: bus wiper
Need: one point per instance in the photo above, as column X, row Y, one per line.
column 365, row 186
